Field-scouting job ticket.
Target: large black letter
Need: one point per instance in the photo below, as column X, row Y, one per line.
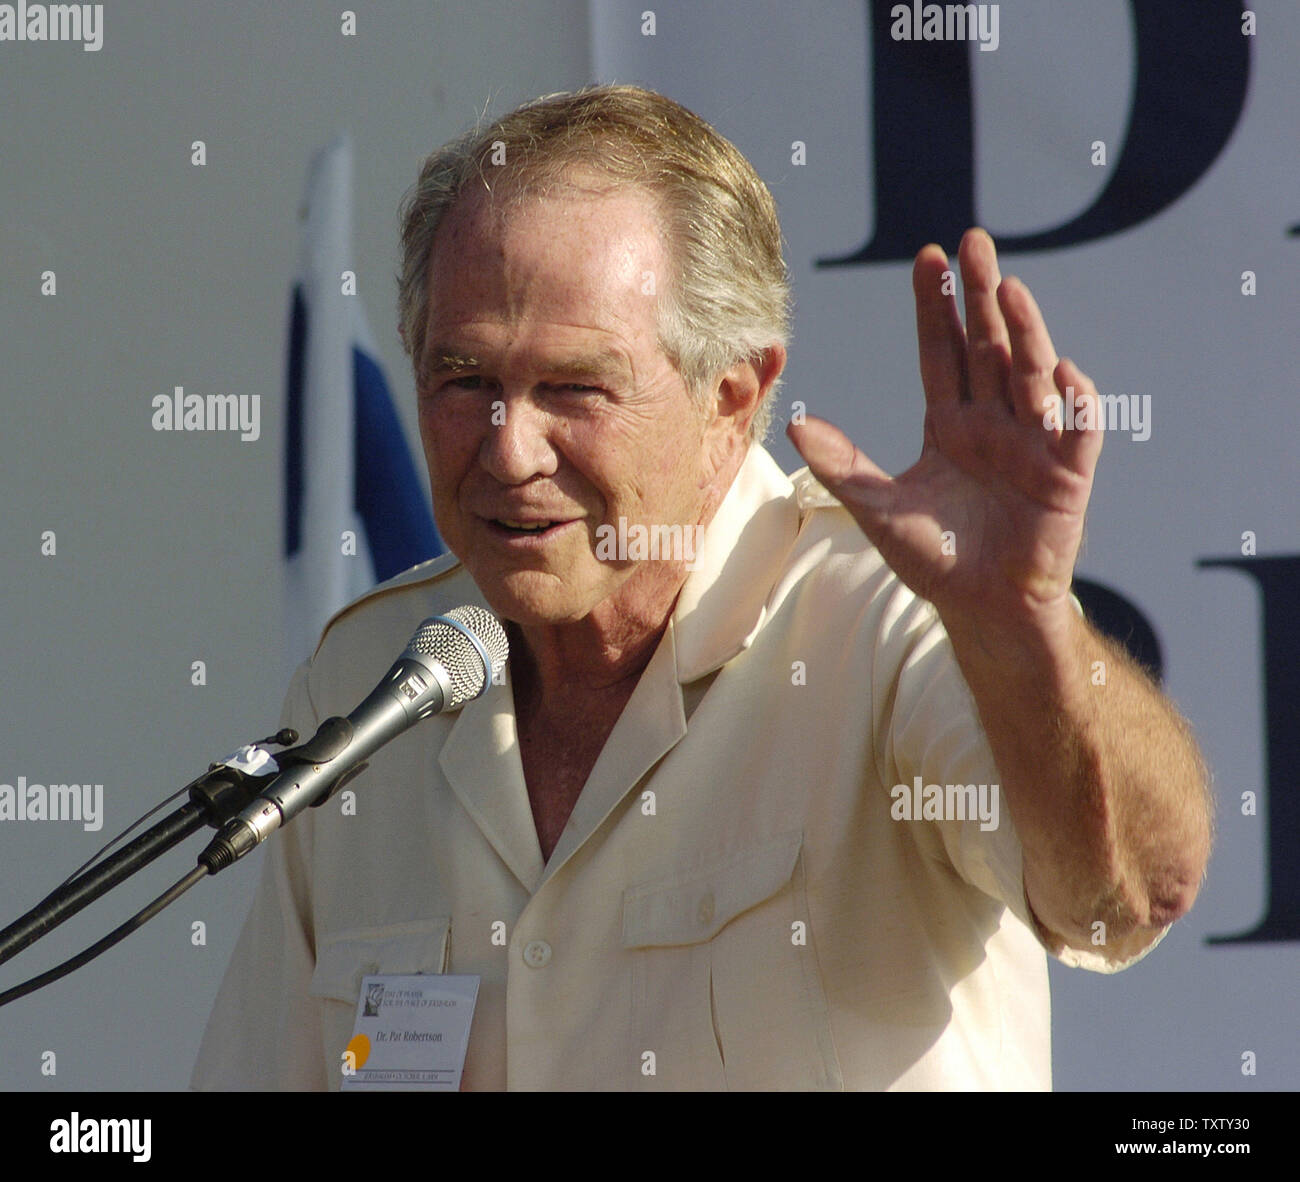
column 1122, row 620
column 1193, row 64
column 1279, row 583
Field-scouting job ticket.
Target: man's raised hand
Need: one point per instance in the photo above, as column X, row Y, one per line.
column 987, row 524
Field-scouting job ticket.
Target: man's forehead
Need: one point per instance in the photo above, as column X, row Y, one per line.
column 585, row 264
column 576, row 183
column 591, row 223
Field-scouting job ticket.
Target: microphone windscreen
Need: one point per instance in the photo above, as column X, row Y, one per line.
column 443, row 638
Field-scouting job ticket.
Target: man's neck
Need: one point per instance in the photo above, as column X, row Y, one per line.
column 555, row 668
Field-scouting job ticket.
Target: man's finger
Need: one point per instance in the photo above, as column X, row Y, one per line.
column 1080, row 444
column 841, row 466
column 988, row 344
column 1033, row 357
column 940, row 338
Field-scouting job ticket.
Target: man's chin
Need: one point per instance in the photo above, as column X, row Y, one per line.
column 534, row 598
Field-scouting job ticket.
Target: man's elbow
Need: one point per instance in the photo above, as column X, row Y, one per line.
column 1128, row 911
column 1175, row 881
column 1170, row 895
column 1165, row 877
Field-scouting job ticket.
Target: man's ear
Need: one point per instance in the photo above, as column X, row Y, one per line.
column 739, row 391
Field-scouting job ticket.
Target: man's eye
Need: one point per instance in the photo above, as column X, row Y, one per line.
column 466, row 381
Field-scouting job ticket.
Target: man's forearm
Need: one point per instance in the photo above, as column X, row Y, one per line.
column 1104, row 782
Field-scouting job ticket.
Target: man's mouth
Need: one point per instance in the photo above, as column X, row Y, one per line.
column 527, row 527
column 540, row 529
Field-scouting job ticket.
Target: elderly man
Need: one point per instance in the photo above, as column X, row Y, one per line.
column 799, row 798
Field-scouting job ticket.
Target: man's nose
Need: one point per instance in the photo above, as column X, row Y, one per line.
column 517, row 445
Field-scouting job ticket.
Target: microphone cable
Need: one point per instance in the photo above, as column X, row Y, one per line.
column 116, row 936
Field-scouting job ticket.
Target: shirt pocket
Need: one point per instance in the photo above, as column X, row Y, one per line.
column 725, row 976
column 344, row 958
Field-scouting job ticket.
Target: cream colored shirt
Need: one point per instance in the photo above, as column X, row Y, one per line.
column 733, row 903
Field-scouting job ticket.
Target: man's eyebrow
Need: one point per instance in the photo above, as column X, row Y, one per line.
column 604, row 363
column 443, row 359
column 446, row 359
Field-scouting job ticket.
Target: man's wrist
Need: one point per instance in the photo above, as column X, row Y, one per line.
column 1046, row 652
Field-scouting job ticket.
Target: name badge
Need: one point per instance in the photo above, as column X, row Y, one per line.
column 411, row 1034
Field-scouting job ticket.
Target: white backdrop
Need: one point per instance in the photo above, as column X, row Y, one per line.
column 168, row 545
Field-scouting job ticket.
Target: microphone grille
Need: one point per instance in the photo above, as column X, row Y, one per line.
column 449, row 646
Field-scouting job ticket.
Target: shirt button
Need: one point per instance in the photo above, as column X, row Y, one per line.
column 537, row 954
column 704, row 912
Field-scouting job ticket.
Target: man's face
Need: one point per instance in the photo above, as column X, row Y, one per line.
column 548, row 409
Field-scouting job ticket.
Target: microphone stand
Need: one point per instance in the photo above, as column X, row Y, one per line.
column 419, row 684
column 215, row 797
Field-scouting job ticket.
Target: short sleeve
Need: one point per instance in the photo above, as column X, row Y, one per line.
column 935, row 743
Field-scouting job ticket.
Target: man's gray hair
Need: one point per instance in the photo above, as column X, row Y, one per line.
column 728, row 299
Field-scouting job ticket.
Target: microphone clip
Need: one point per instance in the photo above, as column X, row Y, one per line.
column 327, row 744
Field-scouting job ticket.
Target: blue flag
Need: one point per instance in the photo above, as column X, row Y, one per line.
column 356, row 511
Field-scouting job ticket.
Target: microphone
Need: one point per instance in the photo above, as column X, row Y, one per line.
column 448, row 662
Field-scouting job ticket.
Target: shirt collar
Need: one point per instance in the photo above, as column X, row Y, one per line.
column 723, row 602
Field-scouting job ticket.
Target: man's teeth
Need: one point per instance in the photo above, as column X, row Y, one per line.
column 532, row 526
